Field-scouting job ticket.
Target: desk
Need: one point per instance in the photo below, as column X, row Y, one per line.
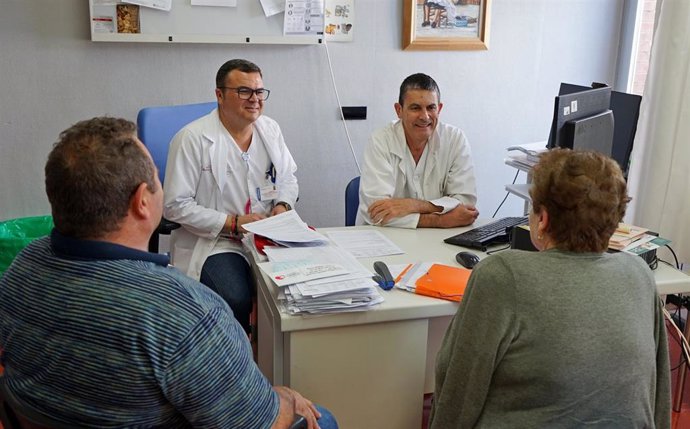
column 372, row 368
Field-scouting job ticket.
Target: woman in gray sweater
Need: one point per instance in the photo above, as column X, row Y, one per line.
column 569, row 336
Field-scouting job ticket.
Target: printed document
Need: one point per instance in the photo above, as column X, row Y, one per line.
column 272, row 7
column 364, row 243
column 286, row 273
column 165, row 5
column 223, row 3
column 285, row 228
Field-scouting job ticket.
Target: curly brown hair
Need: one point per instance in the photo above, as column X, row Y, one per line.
column 585, row 195
column 92, row 173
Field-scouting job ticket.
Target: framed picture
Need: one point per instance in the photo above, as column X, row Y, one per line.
column 446, row 24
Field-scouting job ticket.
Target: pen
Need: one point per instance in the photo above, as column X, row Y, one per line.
column 400, row 276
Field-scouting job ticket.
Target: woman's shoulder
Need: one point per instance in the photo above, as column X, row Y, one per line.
column 506, row 265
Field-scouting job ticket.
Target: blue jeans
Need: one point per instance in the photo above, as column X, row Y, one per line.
column 229, row 275
column 327, row 420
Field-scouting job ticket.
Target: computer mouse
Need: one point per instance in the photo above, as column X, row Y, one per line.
column 467, row 259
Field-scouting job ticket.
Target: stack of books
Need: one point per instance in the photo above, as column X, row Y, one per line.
column 626, row 235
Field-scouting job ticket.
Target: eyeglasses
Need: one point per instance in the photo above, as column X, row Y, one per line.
column 246, row 93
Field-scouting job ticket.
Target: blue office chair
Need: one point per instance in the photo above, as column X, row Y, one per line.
column 351, row 201
column 157, row 126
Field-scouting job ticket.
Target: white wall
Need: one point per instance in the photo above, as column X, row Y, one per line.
column 52, row 75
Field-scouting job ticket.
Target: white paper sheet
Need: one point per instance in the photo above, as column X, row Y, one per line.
column 321, row 255
column 364, row 243
column 286, row 227
column 339, row 19
column 303, row 17
column 286, row 273
column 222, row 3
column 165, row 5
column 272, row 7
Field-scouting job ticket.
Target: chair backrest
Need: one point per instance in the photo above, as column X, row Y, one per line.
column 158, row 125
column 351, row 201
column 13, row 416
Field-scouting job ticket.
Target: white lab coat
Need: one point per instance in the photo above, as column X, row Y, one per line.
column 449, row 171
column 194, row 179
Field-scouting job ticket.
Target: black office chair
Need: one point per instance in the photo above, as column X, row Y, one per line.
column 157, row 126
column 351, row 201
column 16, row 416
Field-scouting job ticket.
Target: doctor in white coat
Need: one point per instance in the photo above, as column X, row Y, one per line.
column 226, row 169
column 417, row 171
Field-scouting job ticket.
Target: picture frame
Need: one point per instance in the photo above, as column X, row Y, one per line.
column 430, row 25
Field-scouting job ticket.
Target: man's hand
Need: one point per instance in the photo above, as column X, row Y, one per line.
column 292, row 404
column 383, row 211
column 278, row 209
column 462, row 215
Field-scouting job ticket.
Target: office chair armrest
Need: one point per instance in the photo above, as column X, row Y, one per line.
column 299, row 423
column 167, row 226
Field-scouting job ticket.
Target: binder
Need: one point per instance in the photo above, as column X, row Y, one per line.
column 443, row 281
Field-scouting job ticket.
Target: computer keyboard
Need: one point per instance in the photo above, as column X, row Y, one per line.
column 483, row 236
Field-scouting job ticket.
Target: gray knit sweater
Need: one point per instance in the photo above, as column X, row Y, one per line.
column 555, row 340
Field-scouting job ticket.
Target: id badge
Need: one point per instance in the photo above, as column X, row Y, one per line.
column 266, row 193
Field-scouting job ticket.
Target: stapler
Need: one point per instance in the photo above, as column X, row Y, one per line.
column 383, row 277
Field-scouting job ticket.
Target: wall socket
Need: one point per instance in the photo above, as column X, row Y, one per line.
column 355, row 112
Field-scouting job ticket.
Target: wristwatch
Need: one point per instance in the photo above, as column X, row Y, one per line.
column 287, row 206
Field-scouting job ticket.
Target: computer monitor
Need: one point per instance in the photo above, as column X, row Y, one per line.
column 626, row 111
column 583, row 120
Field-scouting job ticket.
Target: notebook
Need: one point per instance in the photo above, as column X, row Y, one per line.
column 443, row 281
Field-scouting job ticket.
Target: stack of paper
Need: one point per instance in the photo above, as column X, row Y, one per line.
column 527, row 155
column 320, row 280
column 286, row 229
column 625, row 235
column 645, row 244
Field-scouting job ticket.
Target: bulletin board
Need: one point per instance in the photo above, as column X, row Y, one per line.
column 115, row 21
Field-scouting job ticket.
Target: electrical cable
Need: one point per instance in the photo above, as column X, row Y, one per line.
column 666, row 262
column 654, row 264
column 340, row 106
column 506, row 197
column 498, row 250
column 674, row 257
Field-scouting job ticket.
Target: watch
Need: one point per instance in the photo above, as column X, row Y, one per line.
column 287, row 206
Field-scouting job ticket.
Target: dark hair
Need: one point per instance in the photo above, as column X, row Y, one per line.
column 236, row 64
column 92, row 173
column 418, row 81
column 584, row 193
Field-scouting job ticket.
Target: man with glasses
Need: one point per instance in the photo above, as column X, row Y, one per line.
column 224, row 170
column 418, row 171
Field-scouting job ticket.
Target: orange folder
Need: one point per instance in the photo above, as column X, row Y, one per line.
column 443, row 281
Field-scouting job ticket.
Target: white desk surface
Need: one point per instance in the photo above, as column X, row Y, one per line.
column 425, row 245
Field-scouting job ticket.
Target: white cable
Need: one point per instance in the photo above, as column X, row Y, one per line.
column 340, row 107
column 685, row 347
